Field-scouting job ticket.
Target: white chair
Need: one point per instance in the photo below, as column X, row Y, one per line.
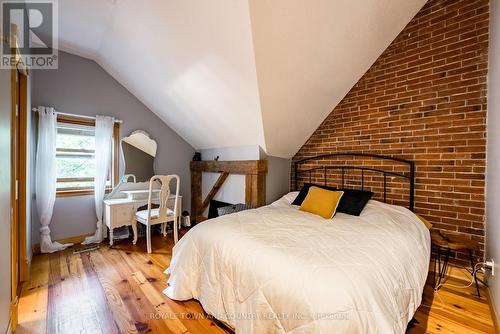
column 162, row 214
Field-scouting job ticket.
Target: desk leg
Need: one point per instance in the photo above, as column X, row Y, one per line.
column 111, row 237
column 134, row 230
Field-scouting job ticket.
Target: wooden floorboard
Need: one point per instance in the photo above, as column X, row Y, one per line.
column 119, row 290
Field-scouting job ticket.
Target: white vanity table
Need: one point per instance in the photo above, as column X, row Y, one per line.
column 138, row 152
column 120, row 212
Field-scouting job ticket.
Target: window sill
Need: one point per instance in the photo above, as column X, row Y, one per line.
column 80, row 192
column 69, row 193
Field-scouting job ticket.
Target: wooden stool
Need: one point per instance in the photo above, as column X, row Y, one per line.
column 443, row 245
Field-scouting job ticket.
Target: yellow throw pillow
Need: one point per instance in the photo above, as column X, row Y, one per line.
column 321, row 202
column 425, row 221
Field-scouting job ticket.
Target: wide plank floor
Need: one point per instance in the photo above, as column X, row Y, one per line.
column 119, row 290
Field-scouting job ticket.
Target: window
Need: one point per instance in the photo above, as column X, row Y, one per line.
column 75, row 162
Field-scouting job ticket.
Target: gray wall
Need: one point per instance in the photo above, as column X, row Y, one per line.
column 493, row 154
column 80, row 86
column 5, row 265
column 278, row 178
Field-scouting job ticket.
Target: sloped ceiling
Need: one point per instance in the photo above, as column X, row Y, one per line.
column 235, row 72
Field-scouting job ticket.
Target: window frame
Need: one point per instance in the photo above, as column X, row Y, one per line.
column 114, row 157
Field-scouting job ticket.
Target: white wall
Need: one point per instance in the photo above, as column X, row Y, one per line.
column 493, row 154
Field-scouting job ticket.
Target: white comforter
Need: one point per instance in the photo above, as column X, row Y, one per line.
column 276, row 269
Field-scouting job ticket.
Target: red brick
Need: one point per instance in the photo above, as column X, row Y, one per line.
column 424, row 99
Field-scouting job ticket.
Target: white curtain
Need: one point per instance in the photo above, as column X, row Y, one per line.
column 46, row 176
column 103, row 139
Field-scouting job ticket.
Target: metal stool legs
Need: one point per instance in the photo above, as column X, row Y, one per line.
column 473, row 273
column 441, row 267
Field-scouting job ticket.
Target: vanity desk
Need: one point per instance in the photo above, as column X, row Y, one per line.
column 138, row 151
column 120, row 212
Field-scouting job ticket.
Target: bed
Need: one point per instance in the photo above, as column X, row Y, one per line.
column 276, row 269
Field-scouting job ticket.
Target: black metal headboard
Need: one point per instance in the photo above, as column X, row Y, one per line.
column 321, row 163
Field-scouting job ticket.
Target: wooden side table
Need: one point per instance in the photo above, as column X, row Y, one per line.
column 443, row 244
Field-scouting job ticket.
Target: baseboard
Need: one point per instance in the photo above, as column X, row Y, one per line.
column 9, row 327
column 13, row 315
column 73, row 240
column 493, row 310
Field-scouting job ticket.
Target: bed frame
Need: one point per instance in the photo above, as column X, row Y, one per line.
column 325, row 163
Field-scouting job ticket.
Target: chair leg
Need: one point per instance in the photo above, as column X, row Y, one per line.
column 164, row 229
column 176, row 232
column 134, row 230
column 148, row 237
column 473, row 272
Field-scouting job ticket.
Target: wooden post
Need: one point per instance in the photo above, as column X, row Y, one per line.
column 255, row 190
column 255, row 182
column 218, row 184
column 195, row 193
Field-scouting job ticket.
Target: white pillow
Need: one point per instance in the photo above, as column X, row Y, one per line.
column 290, row 197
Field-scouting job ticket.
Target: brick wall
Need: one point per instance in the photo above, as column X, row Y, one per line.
column 424, row 99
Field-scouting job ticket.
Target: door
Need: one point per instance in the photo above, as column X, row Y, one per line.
column 19, row 262
column 14, row 197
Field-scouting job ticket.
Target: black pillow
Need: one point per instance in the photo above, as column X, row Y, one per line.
column 305, row 189
column 352, row 202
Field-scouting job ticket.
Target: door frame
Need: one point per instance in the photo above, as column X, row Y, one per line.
column 19, row 117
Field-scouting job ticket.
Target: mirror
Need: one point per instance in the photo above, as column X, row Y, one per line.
column 139, row 152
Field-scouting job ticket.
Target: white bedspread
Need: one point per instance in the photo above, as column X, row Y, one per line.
column 276, row 269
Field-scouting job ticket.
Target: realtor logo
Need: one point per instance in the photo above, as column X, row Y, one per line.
column 29, row 34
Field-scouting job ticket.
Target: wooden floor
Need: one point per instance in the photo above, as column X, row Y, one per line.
column 119, row 290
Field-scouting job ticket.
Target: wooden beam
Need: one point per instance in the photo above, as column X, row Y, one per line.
column 255, row 182
column 232, row 167
column 195, row 193
column 215, row 189
column 255, row 190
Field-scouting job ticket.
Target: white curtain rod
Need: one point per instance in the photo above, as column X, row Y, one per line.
column 77, row 116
